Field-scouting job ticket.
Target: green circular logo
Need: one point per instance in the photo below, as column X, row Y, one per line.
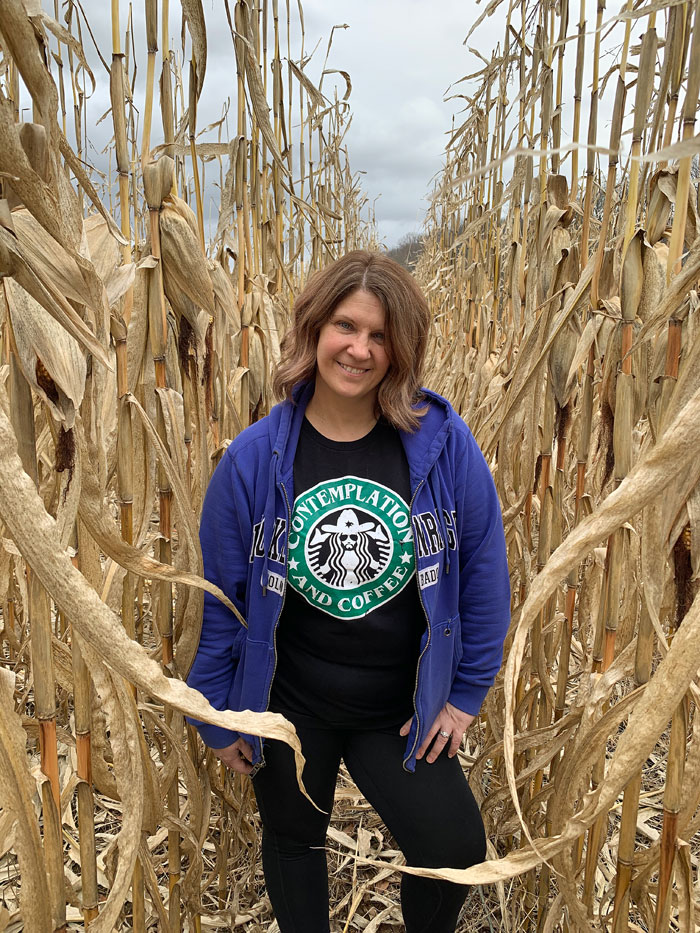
column 350, row 546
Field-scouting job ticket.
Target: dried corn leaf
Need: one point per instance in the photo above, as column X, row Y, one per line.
column 13, row 263
column 184, row 264
column 193, row 14
column 51, row 359
column 18, row 794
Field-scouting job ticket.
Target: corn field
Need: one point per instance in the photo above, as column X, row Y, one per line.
column 562, row 264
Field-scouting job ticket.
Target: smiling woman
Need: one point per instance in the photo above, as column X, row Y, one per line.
column 358, row 530
column 386, row 300
column 351, row 360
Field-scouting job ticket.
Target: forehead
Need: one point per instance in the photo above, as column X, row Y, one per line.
column 363, row 308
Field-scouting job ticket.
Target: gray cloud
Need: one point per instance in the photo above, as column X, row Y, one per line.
column 401, row 57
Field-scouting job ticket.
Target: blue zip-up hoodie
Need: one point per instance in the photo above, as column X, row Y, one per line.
column 460, row 564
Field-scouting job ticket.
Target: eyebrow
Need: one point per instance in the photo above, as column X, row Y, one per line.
column 347, row 316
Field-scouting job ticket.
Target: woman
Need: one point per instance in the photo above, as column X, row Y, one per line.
column 357, row 529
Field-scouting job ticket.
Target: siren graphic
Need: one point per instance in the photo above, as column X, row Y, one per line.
column 349, row 552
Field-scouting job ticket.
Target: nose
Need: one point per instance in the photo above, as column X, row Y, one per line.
column 359, row 347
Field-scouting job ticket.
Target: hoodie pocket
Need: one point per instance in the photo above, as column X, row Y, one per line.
column 447, row 646
column 250, row 684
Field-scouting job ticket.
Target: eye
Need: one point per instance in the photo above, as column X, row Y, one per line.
column 379, row 337
column 343, row 325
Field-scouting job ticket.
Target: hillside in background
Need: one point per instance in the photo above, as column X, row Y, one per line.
column 408, row 250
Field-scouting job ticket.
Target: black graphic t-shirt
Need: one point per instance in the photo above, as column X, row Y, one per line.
column 348, row 637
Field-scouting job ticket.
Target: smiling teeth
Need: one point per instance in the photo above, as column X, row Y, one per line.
column 349, row 369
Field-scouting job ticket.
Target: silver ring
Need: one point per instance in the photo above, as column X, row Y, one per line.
column 444, row 734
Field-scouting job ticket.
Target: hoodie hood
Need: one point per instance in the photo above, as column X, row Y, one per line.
column 423, row 446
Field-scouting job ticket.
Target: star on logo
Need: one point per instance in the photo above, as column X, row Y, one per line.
column 406, row 558
column 293, row 564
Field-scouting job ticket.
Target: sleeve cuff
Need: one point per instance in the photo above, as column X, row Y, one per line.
column 215, row 736
column 468, row 697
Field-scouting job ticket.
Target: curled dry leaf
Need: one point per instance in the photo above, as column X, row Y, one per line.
column 14, row 263
column 257, row 366
column 224, row 295
column 184, row 264
column 18, row 800
column 654, row 262
column 560, row 360
column 103, row 528
column 158, row 177
column 51, row 360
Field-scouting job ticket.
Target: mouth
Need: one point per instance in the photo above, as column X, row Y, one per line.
column 351, row 370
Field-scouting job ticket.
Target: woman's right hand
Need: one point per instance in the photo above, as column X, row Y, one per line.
column 237, row 757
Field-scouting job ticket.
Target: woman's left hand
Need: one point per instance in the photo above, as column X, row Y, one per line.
column 447, row 730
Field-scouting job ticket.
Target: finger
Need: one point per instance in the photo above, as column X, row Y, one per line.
column 428, row 739
column 455, row 742
column 238, row 757
column 243, row 755
column 236, row 762
column 244, row 766
column 241, row 765
column 406, row 727
column 245, row 748
column 438, row 745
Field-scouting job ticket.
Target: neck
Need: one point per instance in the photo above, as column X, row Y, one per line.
column 341, row 419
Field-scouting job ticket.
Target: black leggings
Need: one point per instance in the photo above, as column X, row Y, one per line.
column 431, row 814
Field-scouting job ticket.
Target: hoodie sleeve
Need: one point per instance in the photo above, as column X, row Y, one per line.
column 225, row 555
column 484, row 584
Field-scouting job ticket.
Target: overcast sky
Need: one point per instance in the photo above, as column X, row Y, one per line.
column 405, row 57
column 402, row 56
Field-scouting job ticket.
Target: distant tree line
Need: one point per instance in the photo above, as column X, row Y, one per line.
column 408, row 250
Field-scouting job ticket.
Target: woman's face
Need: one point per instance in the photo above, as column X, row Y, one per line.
column 352, row 354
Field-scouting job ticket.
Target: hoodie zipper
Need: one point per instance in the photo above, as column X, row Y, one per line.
column 427, row 620
column 261, row 763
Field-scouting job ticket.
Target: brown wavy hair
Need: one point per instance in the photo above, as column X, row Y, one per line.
column 406, row 329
